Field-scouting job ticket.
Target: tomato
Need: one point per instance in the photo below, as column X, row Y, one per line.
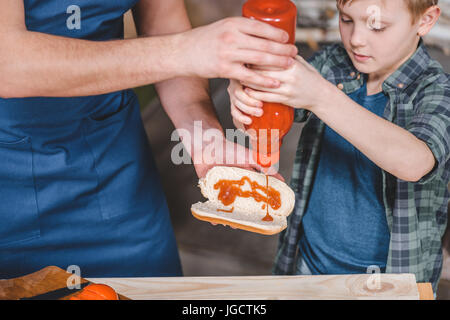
column 96, row 291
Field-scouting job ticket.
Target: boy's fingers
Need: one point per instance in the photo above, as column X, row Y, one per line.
column 304, row 62
column 299, row 59
column 239, row 125
column 244, row 98
column 239, row 116
column 254, row 111
column 215, row 224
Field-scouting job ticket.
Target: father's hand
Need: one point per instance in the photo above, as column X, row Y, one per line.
column 230, row 154
column 224, row 48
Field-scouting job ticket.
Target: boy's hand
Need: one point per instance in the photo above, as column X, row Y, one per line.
column 302, row 86
column 242, row 105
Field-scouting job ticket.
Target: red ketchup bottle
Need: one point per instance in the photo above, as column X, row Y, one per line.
column 277, row 118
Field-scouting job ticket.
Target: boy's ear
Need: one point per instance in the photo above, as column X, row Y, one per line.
column 428, row 19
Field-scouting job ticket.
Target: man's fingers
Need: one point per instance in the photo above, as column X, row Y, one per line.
column 281, row 76
column 279, row 177
column 265, row 96
column 271, row 47
column 249, row 76
column 263, row 59
column 263, row 30
column 250, row 86
column 215, row 224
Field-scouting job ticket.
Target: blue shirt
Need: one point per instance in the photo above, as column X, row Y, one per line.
column 344, row 229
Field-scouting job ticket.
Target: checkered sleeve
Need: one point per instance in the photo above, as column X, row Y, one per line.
column 431, row 124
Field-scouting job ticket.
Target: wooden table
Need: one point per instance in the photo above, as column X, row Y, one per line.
column 357, row 286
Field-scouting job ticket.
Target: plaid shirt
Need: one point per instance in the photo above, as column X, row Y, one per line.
column 419, row 101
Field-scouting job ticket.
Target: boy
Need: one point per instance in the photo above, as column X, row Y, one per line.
column 372, row 165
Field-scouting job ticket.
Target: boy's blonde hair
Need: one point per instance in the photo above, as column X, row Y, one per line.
column 416, row 7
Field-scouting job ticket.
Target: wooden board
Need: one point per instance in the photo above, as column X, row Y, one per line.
column 359, row 286
column 42, row 281
column 390, row 286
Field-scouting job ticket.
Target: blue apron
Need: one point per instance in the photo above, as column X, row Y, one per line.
column 78, row 183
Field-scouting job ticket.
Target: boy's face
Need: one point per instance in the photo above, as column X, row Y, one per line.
column 378, row 35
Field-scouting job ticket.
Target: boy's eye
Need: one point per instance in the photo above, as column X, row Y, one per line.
column 378, row 30
column 345, row 21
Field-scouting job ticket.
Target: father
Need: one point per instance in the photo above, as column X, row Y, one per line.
column 78, row 184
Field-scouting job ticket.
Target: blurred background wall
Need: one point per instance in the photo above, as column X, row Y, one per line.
column 208, row 250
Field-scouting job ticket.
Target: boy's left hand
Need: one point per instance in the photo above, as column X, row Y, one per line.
column 302, row 86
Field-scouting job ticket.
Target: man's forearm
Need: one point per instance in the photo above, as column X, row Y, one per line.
column 186, row 101
column 37, row 64
column 389, row 146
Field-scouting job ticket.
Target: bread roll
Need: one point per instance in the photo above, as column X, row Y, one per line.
column 245, row 212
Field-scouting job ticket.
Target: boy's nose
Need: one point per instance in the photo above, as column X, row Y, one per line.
column 358, row 38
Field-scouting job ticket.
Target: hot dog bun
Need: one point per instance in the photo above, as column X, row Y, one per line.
column 247, row 213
